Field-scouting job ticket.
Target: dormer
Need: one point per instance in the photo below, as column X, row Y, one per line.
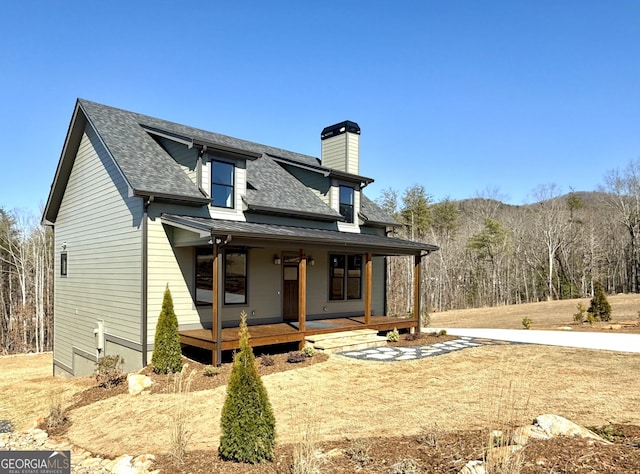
column 224, row 177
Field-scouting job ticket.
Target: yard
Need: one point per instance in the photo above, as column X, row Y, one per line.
column 434, row 410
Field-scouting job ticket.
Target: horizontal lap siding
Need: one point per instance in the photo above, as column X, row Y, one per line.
column 101, row 227
column 173, row 266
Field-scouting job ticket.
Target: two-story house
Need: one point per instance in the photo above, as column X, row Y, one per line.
column 138, row 203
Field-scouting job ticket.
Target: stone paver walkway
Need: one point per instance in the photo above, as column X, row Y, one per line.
column 386, row 353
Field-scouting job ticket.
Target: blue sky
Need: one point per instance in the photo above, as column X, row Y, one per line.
column 460, row 96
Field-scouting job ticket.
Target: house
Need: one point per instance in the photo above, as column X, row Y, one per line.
column 138, row 203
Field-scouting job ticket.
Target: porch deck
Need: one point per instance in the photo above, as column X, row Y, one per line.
column 279, row 333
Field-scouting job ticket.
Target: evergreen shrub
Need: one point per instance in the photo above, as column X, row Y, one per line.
column 600, row 307
column 247, row 422
column 167, row 355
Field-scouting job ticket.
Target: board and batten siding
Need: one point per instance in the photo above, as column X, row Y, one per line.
column 101, row 227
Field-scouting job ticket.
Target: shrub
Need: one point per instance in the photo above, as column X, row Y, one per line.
column 308, row 351
column 443, row 332
column 600, row 307
column 412, row 336
column 57, row 413
column 359, row 451
column 247, row 422
column 579, row 316
column 108, row 371
column 267, row 360
column 527, row 322
column 404, row 466
column 296, row 357
column 167, row 355
column 210, row 371
column 393, row 336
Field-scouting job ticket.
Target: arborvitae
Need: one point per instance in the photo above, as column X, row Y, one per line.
column 600, row 307
column 167, row 355
column 247, row 422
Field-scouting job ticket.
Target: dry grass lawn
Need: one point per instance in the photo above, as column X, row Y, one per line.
column 348, row 398
column 545, row 315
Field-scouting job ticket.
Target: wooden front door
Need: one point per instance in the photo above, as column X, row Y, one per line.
column 290, row 293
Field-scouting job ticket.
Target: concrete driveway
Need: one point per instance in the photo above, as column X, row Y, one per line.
column 584, row 340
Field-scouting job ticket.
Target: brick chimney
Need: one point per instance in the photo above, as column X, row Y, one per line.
column 341, row 147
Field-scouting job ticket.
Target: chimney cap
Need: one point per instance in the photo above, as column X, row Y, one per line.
column 339, row 129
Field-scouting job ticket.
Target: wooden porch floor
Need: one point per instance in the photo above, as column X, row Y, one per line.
column 279, row 333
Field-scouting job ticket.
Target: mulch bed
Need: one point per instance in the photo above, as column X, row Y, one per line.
column 436, row 452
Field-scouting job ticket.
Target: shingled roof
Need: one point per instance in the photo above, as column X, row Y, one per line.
column 149, row 170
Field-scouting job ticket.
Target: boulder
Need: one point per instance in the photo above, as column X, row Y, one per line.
column 137, row 383
column 550, row 426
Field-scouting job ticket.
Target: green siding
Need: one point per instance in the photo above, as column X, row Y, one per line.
column 101, row 226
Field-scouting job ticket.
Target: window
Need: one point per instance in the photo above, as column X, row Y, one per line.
column 234, row 277
column 346, row 202
column 63, row 264
column 204, row 275
column 222, row 184
column 345, row 277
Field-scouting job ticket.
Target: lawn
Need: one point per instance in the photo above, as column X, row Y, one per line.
column 388, row 406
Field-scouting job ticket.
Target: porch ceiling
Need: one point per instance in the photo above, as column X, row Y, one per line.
column 303, row 235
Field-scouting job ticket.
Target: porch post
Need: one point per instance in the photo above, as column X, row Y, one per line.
column 368, row 271
column 302, row 294
column 416, row 290
column 215, row 329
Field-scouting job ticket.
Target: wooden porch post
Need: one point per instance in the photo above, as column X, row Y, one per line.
column 302, row 294
column 215, row 329
column 368, row 272
column 416, row 290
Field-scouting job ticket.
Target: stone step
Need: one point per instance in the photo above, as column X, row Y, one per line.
column 341, row 335
column 351, row 342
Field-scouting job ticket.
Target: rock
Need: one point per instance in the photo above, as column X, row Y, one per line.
column 473, row 467
column 521, row 435
column 556, row 425
column 565, row 328
column 137, row 383
column 123, row 466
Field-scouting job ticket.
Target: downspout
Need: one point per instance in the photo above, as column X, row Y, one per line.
column 145, row 278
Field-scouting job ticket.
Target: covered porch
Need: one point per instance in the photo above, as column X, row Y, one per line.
column 300, row 289
column 280, row 333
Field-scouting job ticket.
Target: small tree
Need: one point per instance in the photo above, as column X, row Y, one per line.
column 600, row 307
column 247, row 422
column 167, row 355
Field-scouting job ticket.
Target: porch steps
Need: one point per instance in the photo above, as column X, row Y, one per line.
column 347, row 340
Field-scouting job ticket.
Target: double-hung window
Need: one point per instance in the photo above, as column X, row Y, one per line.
column 234, row 277
column 345, row 277
column 222, row 184
column 346, row 202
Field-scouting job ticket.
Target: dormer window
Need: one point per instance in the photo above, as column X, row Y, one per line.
column 346, row 202
column 222, row 184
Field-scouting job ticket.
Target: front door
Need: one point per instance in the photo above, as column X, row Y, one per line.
column 290, row 293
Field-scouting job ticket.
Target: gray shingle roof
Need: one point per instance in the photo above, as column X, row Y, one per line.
column 279, row 233
column 274, row 188
column 149, row 169
column 374, row 213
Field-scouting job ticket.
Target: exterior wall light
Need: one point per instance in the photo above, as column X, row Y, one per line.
column 277, row 260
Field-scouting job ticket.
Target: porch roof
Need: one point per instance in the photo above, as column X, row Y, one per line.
column 304, row 235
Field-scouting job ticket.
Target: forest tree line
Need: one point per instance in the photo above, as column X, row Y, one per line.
column 493, row 254
column 490, row 253
column 26, row 283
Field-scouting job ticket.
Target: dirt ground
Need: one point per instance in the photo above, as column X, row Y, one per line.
column 365, row 415
column 546, row 315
